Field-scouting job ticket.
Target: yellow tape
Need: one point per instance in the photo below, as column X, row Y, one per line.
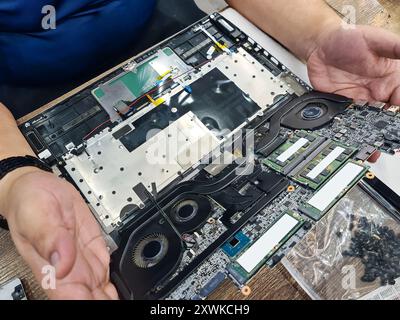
column 157, row 102
column 222, row 46
column 164, row 74
column 150, row 98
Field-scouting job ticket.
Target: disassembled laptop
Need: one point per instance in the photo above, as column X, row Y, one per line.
column 206, row 159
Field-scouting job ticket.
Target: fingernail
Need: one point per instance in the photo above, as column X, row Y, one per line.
column 54, row 258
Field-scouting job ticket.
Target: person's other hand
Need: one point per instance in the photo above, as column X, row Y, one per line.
column 360, row 63
column 51, row 225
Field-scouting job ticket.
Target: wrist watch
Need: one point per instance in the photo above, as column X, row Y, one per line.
column 3, row 223
column 10, row 164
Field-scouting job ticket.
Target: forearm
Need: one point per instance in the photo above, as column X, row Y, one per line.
column 12, row 143
column 297, row 24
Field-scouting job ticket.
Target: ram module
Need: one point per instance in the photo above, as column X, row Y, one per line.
column 317, row 171
column 295, row 150
column 333, row 190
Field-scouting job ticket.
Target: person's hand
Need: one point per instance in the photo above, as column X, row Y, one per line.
column 51, row 225
column 360, row 63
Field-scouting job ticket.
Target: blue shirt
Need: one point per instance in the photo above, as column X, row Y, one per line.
column 87, row 33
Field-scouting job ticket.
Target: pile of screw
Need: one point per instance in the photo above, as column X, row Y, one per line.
column 378, row 247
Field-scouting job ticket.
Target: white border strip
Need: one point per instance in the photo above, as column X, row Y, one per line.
column 326, row 162
column 263, row 246
column 292, row 150
column 324, row 197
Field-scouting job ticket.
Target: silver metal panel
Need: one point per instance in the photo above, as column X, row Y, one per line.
column 107, row 172
column 253, row 78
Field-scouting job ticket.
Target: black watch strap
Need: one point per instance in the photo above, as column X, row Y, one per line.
column 3, row 223
column 11, row 164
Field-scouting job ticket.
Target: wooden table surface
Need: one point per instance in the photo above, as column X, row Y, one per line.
column 274, row 284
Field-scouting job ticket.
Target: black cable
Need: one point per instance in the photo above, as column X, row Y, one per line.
column 161, row 210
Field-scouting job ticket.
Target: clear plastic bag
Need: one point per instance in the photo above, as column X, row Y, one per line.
column 351, row 252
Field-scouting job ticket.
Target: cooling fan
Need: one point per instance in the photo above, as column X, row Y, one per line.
column 315, row 110
column 153, row 252
column 190, row 212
